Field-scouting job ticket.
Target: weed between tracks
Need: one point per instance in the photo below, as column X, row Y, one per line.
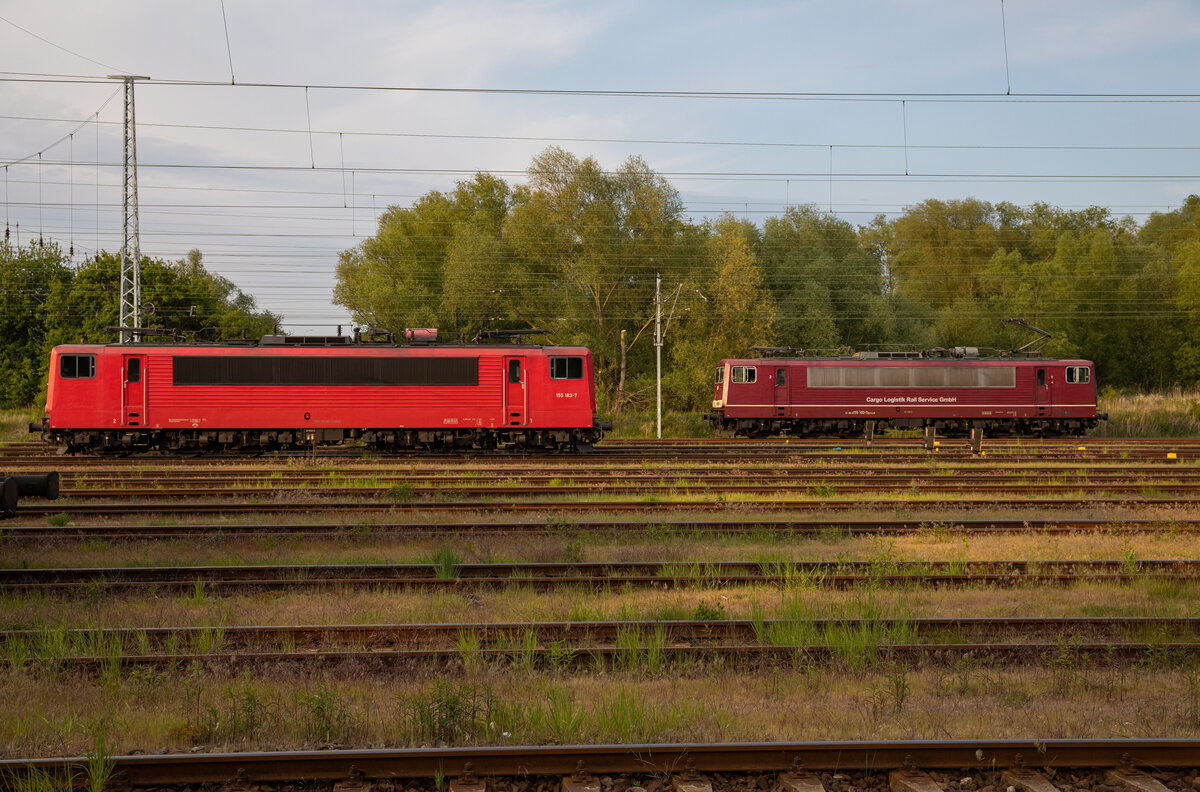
column 288, row 709
column 529, row 688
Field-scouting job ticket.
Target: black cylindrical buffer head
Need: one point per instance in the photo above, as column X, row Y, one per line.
column 38, row 485
column 8, row 496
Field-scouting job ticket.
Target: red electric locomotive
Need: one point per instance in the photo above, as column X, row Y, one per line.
column 951, row 390
column 293, row 392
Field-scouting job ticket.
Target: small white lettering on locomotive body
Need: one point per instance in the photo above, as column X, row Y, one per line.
column 912, row 400
column 561, row 395
column 449, row 420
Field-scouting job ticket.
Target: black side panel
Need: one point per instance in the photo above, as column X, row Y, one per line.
column 325, row 371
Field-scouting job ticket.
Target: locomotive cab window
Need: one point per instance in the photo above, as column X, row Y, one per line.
column 566, row 368
column 134, row 371
column 514, row 371
column 77, row 366
column 1078, row 374
column 720, row 374
column 744, row 374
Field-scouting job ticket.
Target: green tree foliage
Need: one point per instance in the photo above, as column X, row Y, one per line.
column 719, row 312
column 394, row 279
column 828, row 286
column 441, row 263
column 576, row 249
column 32, row 282
column 591, row 242
column 46, row 302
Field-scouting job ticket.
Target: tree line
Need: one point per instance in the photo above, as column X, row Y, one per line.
column 575, row 250
column 45, row 301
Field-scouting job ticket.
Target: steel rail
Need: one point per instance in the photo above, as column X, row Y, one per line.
column 1184, row 447
column 676, row 488
column 88, row 484
column 43, row 509
column 706, row 631
column 564, row 465
column 981, row 755
column 614, row 656
column 795, row 449
column 675, row 574
column 14, row 531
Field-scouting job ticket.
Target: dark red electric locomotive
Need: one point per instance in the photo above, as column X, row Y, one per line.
column 294, row 392
column 953, row 391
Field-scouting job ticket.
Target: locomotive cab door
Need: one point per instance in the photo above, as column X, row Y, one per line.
column 514, row 391
column 133, row 390
column 781, row 391
column 1041, row 391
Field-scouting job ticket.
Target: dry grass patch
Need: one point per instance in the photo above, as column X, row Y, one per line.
column 344, row 708
column 938, row 541
column 1147, row 597
column 1175, row 413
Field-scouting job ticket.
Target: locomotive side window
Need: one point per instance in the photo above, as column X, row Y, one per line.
column 781, row 376
column 860, row 377
column 962, row 377
column 720, row 374
column 929, row 377
column 1041, row 378
column 77, row 366
column 565, row 368
column 514, row 371
column 912, row 377
column 744, row 374
column 997, row 377
column 1079, row 374
column 824, row 377
column 134, row 370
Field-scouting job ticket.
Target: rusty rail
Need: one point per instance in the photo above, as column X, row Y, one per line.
column 672, row 573
column 523, row 761
column 797, row 527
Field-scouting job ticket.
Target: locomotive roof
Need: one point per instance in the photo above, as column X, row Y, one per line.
column 858, row 358
column 207, row 345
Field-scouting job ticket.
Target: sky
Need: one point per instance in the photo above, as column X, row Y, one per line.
column 271, row 135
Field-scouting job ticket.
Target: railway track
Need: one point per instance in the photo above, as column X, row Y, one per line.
column 75, row 580
column 366, row 531
column 680, row 487
column 724, row 450
column 504, row 638
column 650, row 503
column 1124, row 763
column 1142, row 491
column 655, row 658
column 84, row 484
